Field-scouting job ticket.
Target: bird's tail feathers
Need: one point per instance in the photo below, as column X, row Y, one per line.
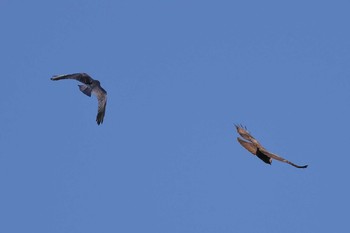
column 85, row 89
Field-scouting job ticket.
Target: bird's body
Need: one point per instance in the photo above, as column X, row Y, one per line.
column 90, row 86
column 254, row 147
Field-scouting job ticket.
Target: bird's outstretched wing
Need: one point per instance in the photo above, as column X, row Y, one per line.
column 81, row 77
column 242, row 130
column 248, row 145
column 102, row 102
column 274, row 156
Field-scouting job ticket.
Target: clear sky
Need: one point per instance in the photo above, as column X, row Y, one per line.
column 179, row 75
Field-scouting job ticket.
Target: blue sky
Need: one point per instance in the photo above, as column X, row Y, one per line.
column 179, row 75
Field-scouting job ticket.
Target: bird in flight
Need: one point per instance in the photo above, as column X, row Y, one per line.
column 90, row 86
column 254, row 147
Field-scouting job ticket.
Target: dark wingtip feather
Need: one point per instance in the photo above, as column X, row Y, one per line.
column 54, row 77
column 305, row 166
column 99, row 118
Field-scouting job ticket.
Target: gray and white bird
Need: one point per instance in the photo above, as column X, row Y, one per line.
column 90, row 86
column 254, row 147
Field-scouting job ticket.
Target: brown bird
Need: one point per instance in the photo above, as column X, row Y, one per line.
column 90, row 86
column 254, row 147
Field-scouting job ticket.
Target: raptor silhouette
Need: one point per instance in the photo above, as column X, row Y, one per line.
column 89, row 86
column 254, row 147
